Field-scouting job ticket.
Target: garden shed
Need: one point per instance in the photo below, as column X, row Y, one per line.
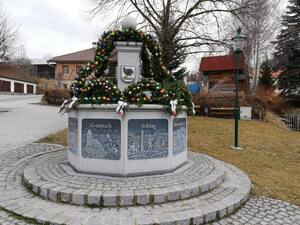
column 219, row 72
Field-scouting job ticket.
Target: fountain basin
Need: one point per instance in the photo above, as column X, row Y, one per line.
column 145, row 140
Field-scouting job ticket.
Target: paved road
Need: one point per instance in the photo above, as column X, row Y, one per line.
column 22, row 121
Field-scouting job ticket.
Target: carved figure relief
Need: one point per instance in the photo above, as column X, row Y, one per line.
column 101, row 139
column 179, row 135
column 72, row 135
column 147, row 139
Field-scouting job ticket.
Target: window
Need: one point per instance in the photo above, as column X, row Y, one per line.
column 78, row 69
column 65, row 69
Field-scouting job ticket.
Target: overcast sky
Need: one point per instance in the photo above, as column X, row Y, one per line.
column 53, row 27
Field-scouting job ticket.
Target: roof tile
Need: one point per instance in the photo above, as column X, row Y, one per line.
column 15, row 73
column 80, row 56
column 220, row 63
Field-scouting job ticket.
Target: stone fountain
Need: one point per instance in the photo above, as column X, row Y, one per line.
column 145, row 140
column 126, row 163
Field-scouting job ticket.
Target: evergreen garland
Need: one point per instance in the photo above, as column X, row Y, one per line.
column 146, row 92
column 98, row 91
column 158, row 85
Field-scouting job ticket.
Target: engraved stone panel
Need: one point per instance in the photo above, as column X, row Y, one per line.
column 72, row 135
column 147, row 138
column 101, row 139
column 179, row 135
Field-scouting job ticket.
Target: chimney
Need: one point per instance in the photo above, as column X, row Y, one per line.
column 94, row 44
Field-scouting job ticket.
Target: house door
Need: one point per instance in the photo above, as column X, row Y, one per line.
column 4, row 85
column 19, row 88
column 29, row 89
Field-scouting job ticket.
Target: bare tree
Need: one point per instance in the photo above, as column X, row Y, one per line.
column 182, row 27
column 261, row 26
column 8, row 35
column 21, row 57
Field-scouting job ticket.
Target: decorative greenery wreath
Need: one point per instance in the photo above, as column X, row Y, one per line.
column 158, row 86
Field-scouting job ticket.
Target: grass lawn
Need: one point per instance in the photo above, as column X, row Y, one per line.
column 270, row 155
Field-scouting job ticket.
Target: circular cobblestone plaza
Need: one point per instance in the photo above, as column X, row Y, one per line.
column 38, row 186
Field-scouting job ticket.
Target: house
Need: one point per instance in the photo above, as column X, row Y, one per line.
column 219, row 72
column 275, row 75
column 43, row 70
column 68, row 65
column 15, row 80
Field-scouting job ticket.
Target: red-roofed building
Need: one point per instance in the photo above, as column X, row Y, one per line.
column 219, row 72
column 68, row 65
column 276, row 74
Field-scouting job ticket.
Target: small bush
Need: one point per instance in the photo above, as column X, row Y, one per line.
column 274, row 103
column 259, row 106
column 55, row 96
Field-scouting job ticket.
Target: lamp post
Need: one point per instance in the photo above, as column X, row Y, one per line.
column 238, row 43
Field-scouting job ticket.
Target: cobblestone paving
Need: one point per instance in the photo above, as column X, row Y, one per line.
column 219, row 202
column 257, row 211
column 9, row 219
column 14, row 197
column 60, row 182
column 264, row 211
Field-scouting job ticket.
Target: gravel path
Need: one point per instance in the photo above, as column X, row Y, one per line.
column 22, row 122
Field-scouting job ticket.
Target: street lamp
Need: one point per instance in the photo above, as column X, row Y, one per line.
column 238, row 45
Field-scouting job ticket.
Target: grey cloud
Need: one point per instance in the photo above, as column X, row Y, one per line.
column 52, row 26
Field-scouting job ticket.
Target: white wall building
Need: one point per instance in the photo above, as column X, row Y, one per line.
column 13, row 80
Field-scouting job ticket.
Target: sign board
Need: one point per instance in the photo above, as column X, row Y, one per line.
column 245, row 112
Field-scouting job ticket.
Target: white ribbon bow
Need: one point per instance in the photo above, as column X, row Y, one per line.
column 67, row 104
column 74, row 100
column 120, row 107
column 61, row 108
column 173, row 104
column 194, row 112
